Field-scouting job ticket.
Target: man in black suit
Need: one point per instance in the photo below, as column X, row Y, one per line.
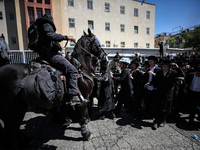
column 161, row 48
column 164, row 82
column 137, row 80
column 125, row 95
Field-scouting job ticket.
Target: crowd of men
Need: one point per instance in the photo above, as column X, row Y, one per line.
column 157, row 88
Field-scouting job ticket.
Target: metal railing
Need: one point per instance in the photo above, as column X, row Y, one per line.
column 22, row 56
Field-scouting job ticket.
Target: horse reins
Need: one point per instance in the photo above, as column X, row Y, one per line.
column 80, row 47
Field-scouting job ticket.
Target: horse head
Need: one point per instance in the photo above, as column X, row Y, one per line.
column 4, row 52
column 87, row 45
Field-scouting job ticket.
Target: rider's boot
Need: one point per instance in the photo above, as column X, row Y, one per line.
column 77, row 100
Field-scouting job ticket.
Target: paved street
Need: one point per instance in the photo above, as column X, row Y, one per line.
column 120, row 133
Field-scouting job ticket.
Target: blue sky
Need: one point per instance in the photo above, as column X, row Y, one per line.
column 170, row 14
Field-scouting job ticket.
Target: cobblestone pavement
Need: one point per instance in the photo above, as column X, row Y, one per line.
column 117, row 134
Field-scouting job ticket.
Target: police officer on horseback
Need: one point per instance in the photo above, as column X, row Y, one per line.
column 50, row 47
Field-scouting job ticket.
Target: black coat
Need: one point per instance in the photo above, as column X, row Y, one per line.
column 146, row 74
column 137, row 82
column 106, row 101
column 126, row 94
column 161, row 47
column 165, row 88
column 50, row 40
column 126, row 83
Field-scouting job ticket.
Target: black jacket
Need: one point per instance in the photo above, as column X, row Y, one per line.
column 165, row 84
column 126, row 83
column 161, row 47
column 146, row 74
column 49, row 39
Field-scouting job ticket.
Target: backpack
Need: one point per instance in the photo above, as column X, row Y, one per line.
column 35, row 32
column 42, row 86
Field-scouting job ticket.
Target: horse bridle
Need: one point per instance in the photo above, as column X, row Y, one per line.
column 84, row 48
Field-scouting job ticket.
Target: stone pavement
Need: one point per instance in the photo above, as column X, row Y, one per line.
column 120, row 133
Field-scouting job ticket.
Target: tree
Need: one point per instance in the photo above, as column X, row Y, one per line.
column 172, row 42
column 192, row 39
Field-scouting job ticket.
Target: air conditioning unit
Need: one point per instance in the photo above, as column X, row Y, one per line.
column 115, row 45
column 102, row 45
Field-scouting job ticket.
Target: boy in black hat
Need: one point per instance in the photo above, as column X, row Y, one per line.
column 137, row 80
column 164, row 82
column 149, row 92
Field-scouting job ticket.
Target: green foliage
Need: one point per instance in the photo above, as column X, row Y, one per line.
column 172, row 42
column 192, row 39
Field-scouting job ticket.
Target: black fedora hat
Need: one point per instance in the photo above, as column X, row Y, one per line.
column 167, row 62
column 135, row 62
column 153, row 58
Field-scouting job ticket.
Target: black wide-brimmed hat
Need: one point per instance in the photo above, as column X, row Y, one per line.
column 104, row 67
column 153, row 58
column 161, row 60
column 104, row 62
column 167, row 62
column 135, row 62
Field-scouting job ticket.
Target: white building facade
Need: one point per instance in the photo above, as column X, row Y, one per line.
column 116, row 23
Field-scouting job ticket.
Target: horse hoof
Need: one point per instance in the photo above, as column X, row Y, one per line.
column 90, row 137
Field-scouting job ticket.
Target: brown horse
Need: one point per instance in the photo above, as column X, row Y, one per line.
column 12, row 104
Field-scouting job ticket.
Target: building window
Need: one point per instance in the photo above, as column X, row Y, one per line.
column 39, row 1
column 1, row 16
column 70, row 2
column 107, row 26
column 135, row 12
column 30, row 0
column 122, row 9
column 89, row 4
column 48, row 11
column 122, row 26
column 72, row 22
column 122, row 44
column 39, row 12
column 107, row 7
column 148, row 30
column 11, row 16
column 107, row 43
column 90, row 24
column 31, row 14
column 148, row 14
column 136, row 29
column 47, row 2
column 147, row 45
column 13, row 40
column 135, row 45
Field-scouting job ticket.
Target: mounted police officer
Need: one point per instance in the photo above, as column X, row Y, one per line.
column 50, row 47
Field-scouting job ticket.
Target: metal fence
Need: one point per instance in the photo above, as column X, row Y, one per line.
column 22, row 56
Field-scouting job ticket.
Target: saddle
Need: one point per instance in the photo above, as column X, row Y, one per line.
column 44, row 85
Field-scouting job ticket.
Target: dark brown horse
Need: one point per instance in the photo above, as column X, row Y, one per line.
column 12, row 104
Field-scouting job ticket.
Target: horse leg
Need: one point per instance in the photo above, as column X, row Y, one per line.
column 82, row 110
column 12, row 121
